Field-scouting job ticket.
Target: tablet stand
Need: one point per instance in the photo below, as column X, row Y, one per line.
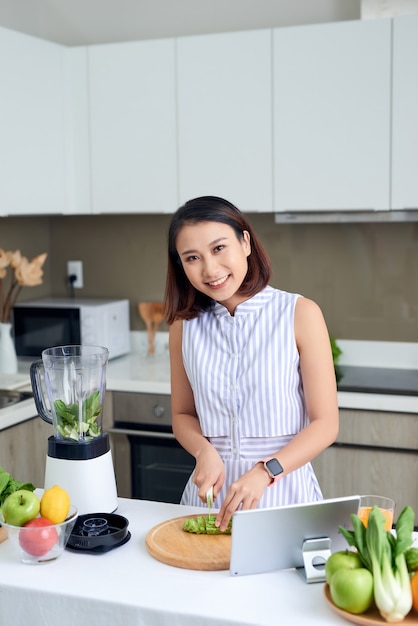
column 315, row 553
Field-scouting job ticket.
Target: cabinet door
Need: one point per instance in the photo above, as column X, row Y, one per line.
column 376, row 452
column 32, row 159
column 225, row 118
column 405, row 113
column 355, row 471
column 77, row 131
column 23, row 450
column 133, row 127
column 332, row 116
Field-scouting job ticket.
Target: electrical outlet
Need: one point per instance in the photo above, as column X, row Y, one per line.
column 75, row 268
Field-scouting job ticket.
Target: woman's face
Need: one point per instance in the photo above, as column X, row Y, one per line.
column 214, row 260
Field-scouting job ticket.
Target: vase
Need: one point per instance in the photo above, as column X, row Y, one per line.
column 8, row 358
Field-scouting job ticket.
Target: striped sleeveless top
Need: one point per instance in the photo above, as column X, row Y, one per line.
column 246, row 367
column 244, row 373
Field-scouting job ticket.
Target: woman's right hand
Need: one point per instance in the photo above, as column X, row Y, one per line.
column 209, row 471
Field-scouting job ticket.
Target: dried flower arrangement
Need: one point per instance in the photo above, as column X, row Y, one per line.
column 24, row 274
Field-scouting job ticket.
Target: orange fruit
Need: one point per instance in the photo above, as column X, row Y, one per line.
column 414, row 588
column 55, row 504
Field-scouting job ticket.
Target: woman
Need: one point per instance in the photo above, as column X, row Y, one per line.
column 252, row 378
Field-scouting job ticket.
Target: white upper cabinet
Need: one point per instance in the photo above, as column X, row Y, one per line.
column 133, row 127
column 405, row 113
column 332, row 116
column 32, row 149
column 77, row 133
column 225, row 118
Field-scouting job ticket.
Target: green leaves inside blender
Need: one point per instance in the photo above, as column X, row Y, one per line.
column 78, row 421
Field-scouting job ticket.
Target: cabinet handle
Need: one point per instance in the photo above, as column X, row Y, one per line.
column 141, row 433
column 362, row 446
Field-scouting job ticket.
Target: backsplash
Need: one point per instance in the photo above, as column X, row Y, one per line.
column 364, row 276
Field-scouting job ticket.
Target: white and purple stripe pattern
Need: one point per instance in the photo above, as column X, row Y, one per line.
column 246, row 367
column 297, row 487
column 244, row 372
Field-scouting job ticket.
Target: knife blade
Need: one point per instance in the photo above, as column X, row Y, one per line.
column 209, row 499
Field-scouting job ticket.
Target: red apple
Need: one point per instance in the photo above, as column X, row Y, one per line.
column 38, row 536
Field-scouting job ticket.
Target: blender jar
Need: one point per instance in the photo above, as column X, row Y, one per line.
column 69, row 385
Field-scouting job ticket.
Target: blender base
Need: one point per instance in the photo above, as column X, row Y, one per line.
column 90, row 483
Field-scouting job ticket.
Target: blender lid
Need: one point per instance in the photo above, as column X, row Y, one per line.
column 99, row 532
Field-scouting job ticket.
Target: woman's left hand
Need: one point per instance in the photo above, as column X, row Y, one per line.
column 244, row 493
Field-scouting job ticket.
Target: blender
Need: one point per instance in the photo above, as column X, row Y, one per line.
column 69, row 384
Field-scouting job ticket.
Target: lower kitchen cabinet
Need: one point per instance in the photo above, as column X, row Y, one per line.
column 23, row 450
column 375, row 453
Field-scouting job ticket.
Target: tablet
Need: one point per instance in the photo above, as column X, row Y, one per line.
column 300, row 536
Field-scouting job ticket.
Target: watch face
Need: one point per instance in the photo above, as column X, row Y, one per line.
column 274, row 467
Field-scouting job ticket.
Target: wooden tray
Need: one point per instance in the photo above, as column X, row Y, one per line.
column 371, row 617
column 3, row 534
column 169, row 544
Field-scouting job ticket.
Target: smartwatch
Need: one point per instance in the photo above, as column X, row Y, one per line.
column 273, row 468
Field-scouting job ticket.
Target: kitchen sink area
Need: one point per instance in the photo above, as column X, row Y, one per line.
column 10, row 397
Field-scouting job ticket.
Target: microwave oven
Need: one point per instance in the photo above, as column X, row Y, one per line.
column 50, row 322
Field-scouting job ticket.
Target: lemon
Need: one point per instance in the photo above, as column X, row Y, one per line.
column 55, row 504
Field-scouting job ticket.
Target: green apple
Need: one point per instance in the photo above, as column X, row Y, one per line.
column 352, row 589
column 346, row 559
column 20, row 507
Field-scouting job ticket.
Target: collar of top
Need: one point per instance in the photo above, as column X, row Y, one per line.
column 248, row 306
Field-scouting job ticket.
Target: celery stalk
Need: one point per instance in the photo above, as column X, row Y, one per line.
column 204, row 525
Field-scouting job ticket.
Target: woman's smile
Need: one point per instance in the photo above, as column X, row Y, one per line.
column 218, row 283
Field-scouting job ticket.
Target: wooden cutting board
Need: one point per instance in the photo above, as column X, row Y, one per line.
column 3, row 534
column 169, row 544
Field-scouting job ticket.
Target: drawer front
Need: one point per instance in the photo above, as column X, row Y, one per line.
column 378, row 428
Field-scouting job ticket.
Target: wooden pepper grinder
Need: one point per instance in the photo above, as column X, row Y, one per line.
column 153, row 314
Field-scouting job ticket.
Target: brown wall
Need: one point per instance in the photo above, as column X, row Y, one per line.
column 364, row 276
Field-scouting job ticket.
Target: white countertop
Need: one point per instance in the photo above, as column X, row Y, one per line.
column 128, row 587
column 151, row 374
column 137, row 372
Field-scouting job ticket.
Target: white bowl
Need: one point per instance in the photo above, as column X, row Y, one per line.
column 35, row 545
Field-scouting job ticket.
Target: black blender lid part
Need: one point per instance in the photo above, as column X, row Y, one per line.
column 99, row 532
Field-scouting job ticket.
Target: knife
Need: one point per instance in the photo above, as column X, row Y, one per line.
column 209, row 499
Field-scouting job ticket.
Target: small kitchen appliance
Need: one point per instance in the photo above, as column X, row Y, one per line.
column 40, row 324
column 69, row 385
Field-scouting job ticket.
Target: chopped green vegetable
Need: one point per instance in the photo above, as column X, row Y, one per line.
column 9, row 485
column 72, row 425
column 204, row 525
column 385, row 556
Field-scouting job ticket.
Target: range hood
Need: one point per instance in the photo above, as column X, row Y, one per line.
column 334, row 217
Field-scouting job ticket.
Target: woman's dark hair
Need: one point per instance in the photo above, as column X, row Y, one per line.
column 182, row 300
